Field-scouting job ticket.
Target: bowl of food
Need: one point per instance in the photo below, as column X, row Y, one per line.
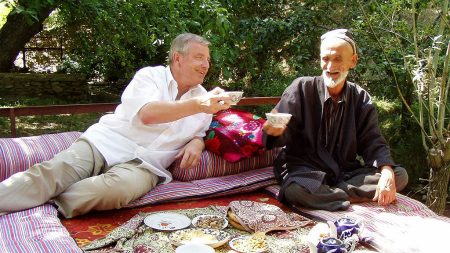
column 210, row 221
column 211, row 237
column 255, row 243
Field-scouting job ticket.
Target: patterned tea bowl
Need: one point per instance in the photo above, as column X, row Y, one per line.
column 235, row 96
column 278, row 119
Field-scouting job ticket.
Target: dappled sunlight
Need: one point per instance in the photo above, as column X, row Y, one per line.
column 46, row 227
column 36, row 123
column 410, row 233
column 43, row 124
column 386, row 106
column 23, row 146
column 386, row 125
column 4, row 10
column 51, row 236
column 404, row 227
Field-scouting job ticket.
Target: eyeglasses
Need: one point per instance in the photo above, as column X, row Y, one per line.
column 342, row 34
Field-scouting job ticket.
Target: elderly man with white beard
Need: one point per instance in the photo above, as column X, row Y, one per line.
column 333, row 151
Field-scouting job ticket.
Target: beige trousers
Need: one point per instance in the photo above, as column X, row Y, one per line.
column 78, row 181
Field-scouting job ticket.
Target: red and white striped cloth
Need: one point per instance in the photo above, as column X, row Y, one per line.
column 18, row 154
column 210, row 187
column 36, row 230
column 212, row 165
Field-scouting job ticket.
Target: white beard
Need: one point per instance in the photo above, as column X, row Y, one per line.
column 330, row 83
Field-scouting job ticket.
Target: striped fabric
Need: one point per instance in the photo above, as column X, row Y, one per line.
column 407, row 226
column 18, row 154
column 36, row 230
column 176, row 190
column 212, row 165
column 39, row 230
column 404, row 206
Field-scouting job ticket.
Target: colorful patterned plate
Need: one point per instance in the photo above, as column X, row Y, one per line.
column 167, row 221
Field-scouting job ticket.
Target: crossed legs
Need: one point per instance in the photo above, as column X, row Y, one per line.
column 358, row 188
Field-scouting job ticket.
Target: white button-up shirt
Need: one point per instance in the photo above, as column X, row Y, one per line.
column 121, row 137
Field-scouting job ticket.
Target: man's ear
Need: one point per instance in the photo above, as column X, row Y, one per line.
column 176, row 57
column 354, row 61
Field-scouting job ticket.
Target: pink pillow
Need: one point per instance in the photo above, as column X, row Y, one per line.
column 37, row 229
column 212, row 165
column 235, row 135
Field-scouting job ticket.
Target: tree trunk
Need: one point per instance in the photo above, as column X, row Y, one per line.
column 16, row 32
column 438, row 189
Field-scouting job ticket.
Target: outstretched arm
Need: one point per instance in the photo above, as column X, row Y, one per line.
column 166, row 111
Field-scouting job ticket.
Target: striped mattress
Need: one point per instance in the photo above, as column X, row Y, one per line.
column 39, row 229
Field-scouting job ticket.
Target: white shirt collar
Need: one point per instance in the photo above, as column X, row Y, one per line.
column 173, row 84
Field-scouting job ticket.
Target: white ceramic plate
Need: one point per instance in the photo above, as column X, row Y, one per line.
column 210, row 221
column 193, row 247
column 211, row 237
column 167, row 221
column 239, row 244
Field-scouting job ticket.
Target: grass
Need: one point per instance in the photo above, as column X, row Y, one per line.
column 36, row 125
column 46, row 124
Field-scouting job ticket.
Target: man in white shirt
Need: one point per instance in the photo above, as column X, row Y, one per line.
column 163, row 115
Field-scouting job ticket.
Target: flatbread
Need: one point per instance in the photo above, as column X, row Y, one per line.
column 234, row 221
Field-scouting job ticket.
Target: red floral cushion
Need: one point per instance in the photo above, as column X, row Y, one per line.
column 235, row 134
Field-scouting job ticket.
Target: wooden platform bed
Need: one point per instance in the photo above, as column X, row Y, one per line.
column 407, row 226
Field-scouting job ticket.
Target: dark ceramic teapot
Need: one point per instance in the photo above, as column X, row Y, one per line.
column 333, row 245
column 345, row 228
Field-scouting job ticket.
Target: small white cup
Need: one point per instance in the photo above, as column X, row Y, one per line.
column 278, row 119
column 235, row 96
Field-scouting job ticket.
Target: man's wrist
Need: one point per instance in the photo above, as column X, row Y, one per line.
column 199, row 141
column 387, row 169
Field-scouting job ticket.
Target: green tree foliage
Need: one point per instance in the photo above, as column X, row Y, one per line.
column 258, row 46
column 113, row 38
column 418, row 66
column 271, row 42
